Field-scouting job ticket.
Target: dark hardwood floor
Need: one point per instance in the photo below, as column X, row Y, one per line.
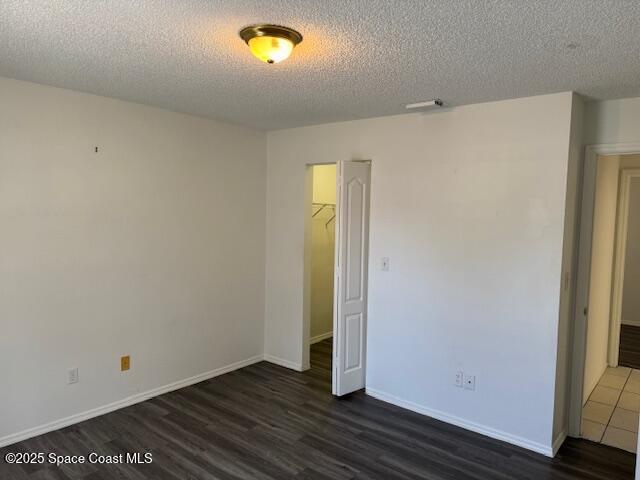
column 629, row 346
column 267, row 422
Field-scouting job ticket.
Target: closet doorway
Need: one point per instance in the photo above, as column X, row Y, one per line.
column 335, row 277
column 323, row 231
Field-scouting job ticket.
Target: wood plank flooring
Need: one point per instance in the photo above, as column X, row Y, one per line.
column 267, row 422
column 629, row 346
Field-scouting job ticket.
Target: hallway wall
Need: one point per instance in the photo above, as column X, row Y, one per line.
column 604, row 231
column 631, row 290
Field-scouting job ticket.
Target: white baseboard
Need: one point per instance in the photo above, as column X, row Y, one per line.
column 631, row 322
column 461, row 422
column 557, row 443
column 141, row 397
column 321, row 337
column 125, row 402
column 284, row 363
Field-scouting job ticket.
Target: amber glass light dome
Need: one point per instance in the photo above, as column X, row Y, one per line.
column 270, row 43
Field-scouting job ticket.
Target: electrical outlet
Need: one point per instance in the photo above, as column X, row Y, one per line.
column 72, row 376
column 125, row 363
column 385, row 264
column 470, row 382
column 459, row 379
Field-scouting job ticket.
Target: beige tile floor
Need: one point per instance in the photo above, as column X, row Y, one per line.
column 610, row 416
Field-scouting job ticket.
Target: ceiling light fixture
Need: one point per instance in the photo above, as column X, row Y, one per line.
column 270, row 43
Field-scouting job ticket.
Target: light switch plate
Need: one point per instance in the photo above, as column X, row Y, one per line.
column 385, row 264
column 72, row 376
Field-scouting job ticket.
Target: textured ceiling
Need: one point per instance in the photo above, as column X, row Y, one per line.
column 359, row 58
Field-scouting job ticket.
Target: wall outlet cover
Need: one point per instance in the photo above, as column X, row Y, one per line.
column 459, row 379
column 470, row 382
column 125, row 363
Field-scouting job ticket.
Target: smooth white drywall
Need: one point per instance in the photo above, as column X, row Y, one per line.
column 602, row 248
column 152, row 247
column 569, row 268
column 469, row 205
column 322, row 250
column 631, row 289
column 613, row 121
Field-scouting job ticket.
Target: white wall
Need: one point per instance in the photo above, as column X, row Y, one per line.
column 613, row 121
column 469, row 205
column 322, row 251
column 152, row 247
column 631, row 289
column 569, row 269
column 602, row 248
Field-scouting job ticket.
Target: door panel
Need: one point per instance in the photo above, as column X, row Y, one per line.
column 350, row 305
column 354, row 203
column 353, row 342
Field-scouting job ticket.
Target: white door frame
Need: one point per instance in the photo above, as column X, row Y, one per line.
column 581, row 303
column 619, row 255
column 306, row 313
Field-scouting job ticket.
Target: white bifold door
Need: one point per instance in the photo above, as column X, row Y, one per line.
column 350, row 285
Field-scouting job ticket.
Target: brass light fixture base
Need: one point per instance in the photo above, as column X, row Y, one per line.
column 267, row 30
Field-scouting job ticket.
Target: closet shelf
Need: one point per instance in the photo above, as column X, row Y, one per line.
column 322, row 207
